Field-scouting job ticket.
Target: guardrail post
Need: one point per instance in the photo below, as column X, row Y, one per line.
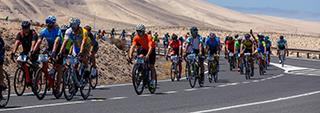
column 298, row 54
column 308, row 55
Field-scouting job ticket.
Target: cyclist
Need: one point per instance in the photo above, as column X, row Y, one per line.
column 123, row 35
column 281, row 45
column 3, row 86
column 94, row 47
column 230, row 46
column 175, row 48
column 212, row 46
column 27, row 37
column 79, row 37
column 51, row 32
column 112, row 33
column 237, row 45
column 247, row 46
column 155, row 38
column 147, row 49
column 226, row 39
column 63, row 29
column 268, row 47
column 194, row 44
column 261, row 47
column 166, row 40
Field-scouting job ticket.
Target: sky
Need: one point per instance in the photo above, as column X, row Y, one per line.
column 299, row 9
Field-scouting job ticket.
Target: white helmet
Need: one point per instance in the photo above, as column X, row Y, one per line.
column 140, row 27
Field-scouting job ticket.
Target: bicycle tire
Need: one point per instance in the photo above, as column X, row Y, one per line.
column 40, row 75
column 5, row 97
column 69, row 87
column 136, row 79
column 19, row 72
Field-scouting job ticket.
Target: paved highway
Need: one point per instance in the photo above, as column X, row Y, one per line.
column 291, row 89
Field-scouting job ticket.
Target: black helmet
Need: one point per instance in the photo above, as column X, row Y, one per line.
column 281, row 37
column 194, row 29
column 247, row 36
column 25, row 24
column 174, row 37
column 236, row 36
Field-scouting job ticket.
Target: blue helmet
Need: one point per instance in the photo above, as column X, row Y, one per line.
column 51, row 19
column 73, row 22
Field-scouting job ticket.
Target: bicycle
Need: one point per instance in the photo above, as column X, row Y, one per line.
column 141, row 75
column 231, row 59
column 193, row 70
column 24, row 71
column 94, row 75
column 267, row 60
column 174, row 71
column 261, row 63
column 73, row 79
column 5, row 93
column 282, row 57
column 247, row 65
column 212, row 68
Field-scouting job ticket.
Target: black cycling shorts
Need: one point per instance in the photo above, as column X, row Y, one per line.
column 152, row 57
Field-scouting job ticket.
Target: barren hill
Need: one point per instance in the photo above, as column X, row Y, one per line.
column 126, row 13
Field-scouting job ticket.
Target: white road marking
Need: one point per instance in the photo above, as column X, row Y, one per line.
column 255, row 81
column 257, row 103
column 170, row 92
column 145, row 95
column 193, row 89
column 44, row 105
column 117, row 98
column 288, row 68
column 205, row 88
column 246, row 82
column 312, row 74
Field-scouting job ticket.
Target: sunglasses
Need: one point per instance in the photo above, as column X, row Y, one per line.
column 140, row 31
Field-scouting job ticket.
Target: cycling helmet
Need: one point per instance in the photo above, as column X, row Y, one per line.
column 247, row 36
column 51, row 19
column 74, row 22
column 174, row 37
column 87, row 27
column 212, row 35
column 281, row 37
column 64, row 27
column 25, row 24
column 260, row 34
column 236, row 36
column 267, row 38
column 194, row 29
column 140, row 27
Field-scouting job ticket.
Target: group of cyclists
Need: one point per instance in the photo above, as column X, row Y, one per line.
column 71, row 39
column 59, row 42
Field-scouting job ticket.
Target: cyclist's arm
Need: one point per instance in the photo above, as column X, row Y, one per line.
column 65, row 41
column 16, row 46
column 55, row 45
column 84, row 41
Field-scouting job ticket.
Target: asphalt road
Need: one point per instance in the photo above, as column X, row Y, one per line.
column 275, row 92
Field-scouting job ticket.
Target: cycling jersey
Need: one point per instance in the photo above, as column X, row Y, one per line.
column 237, row 45
column 213, row 43
column 76, row 38
column 230, row 44
column 26, row 40
column 247, row 45
column 281, row 43
column 175, row 45
column 194, row 44
column 145, row 41
column 261, row 46
column 51, row 36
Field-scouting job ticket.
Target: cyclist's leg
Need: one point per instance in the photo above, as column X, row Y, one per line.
column 152, row 61
column 2, row 84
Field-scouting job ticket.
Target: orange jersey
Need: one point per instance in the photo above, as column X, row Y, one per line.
column 143, row 41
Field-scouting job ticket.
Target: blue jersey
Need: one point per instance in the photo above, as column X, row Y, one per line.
column 50, row 35
column 212, row 42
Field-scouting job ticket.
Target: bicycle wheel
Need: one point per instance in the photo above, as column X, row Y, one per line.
column 153, row 89
column 85, row 88
column 19, row 82
column 215, row 73
column 173, row 72
column 192, row 75
column 230, row 63
column 94, row 79
column 69, row 87
column 40, row 84
column 5, row 94
column 210, row 73
column 137, row 79
column 57, row 88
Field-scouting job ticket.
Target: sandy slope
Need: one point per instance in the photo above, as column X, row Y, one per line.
column 125, row 13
